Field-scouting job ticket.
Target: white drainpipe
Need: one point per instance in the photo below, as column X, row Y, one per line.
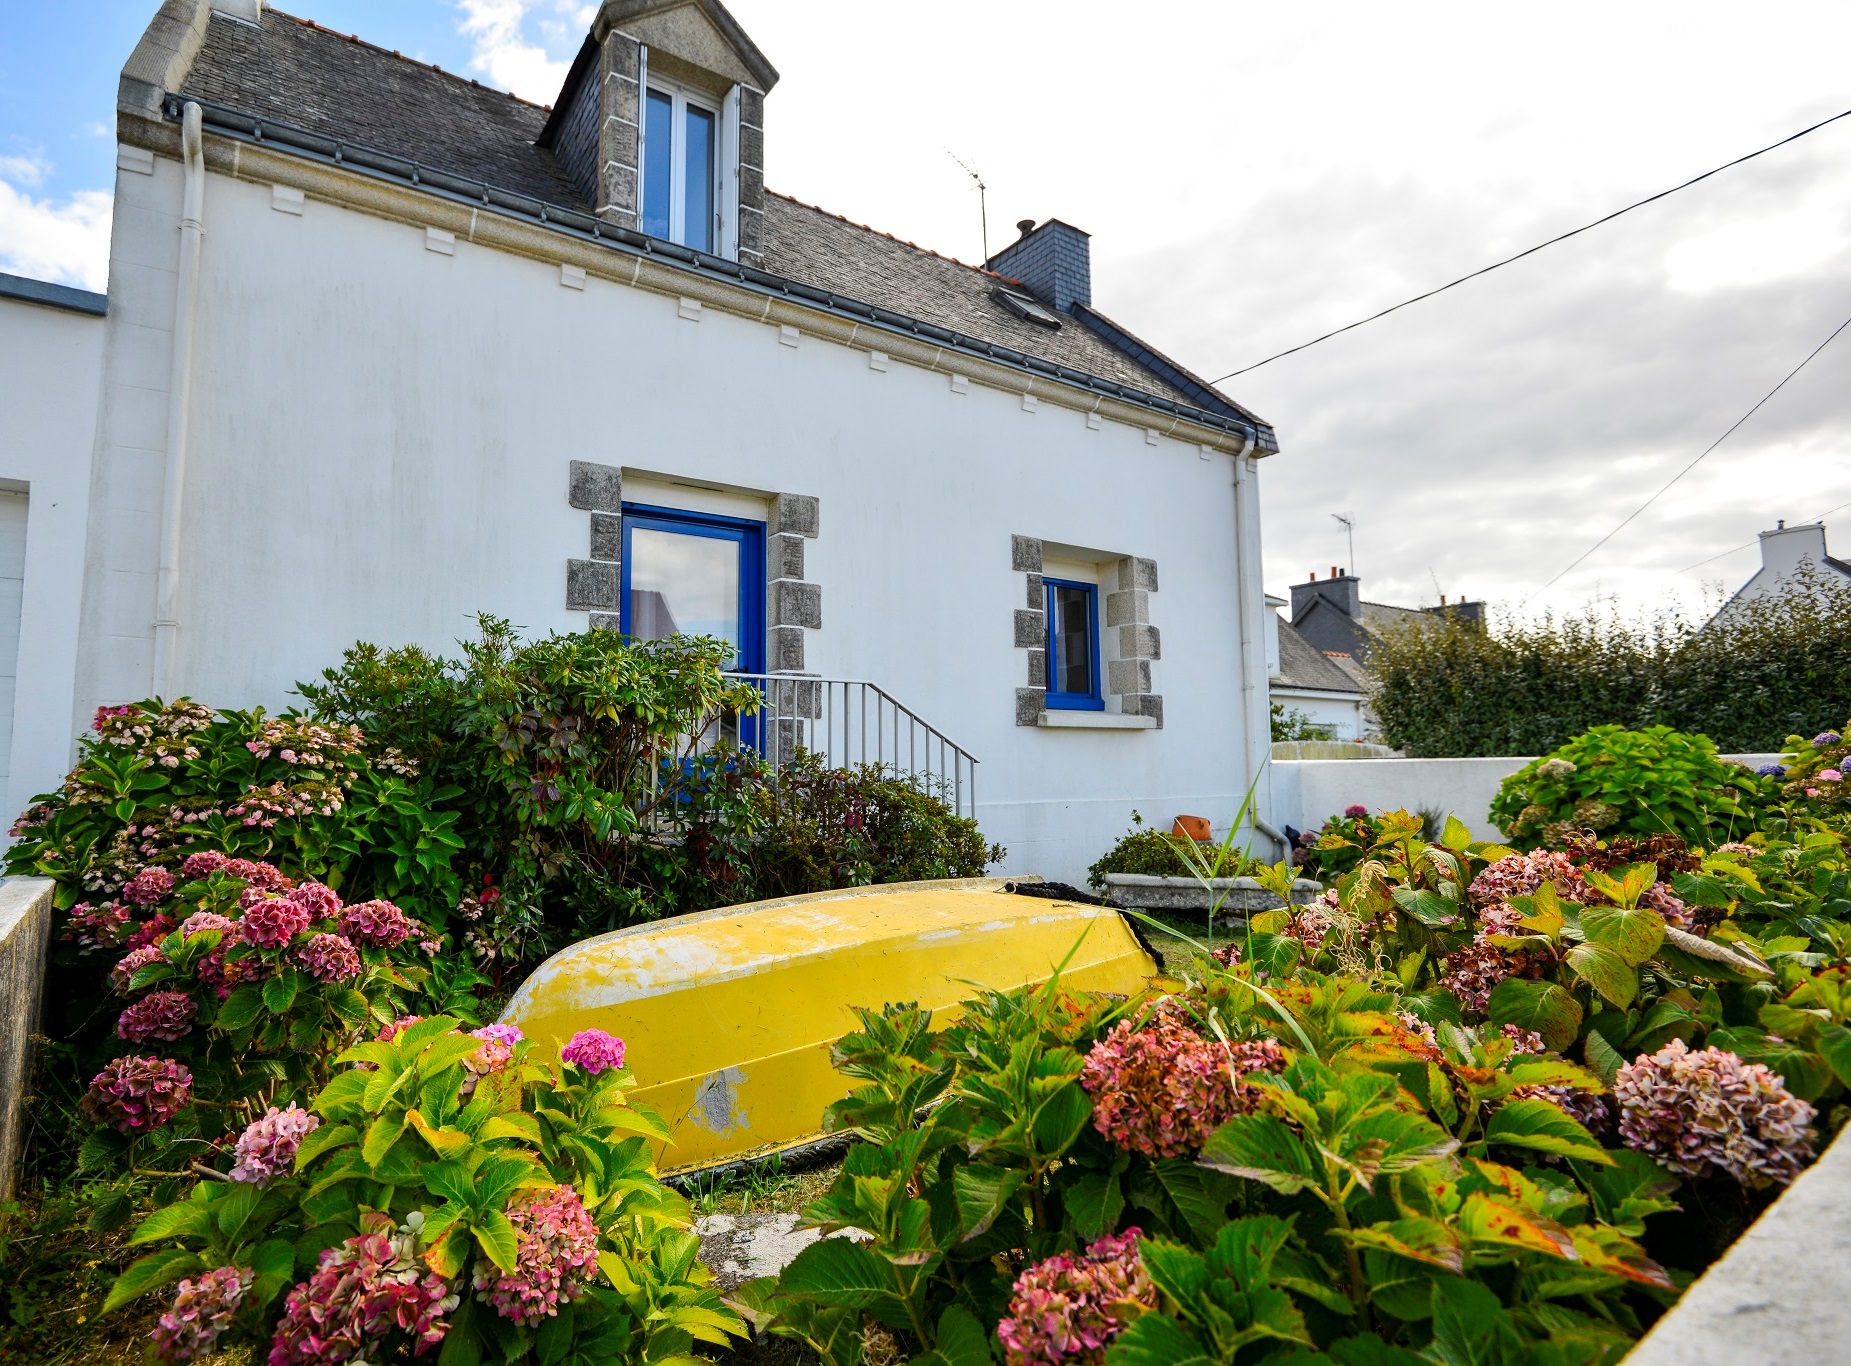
column 1254, row 712
column 179, row 387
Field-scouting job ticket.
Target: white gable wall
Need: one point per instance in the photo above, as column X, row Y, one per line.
column 379, row 448
column 49, row 363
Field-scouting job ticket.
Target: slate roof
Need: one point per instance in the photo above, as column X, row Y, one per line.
column 1303, row 665
column 295, row 72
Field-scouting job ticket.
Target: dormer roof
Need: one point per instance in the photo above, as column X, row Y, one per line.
column 699, row 32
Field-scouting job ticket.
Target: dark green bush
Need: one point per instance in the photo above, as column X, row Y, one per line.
column 1766, row 669
column 1147, row 852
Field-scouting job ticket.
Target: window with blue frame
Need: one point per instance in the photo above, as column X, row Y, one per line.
column 694, row 574
column 1073, row 645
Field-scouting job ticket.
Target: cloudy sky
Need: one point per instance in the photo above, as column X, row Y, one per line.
column 1256, row 174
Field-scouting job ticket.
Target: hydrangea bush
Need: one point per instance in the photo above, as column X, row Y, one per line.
column 446, row 1193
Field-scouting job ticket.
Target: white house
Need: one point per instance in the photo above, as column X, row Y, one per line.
column 384, row 348
column 1791, row 556
column 1303, row 679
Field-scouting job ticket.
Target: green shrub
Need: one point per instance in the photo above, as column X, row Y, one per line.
column 442, row 1189
column 1767, row 668
column 1622, row 782
column 1293, row 724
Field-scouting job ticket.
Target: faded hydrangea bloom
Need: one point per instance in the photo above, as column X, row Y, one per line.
column 133, row 1094
column 496, row 1053
column 270, row 922
column 267, row 1148
column 158, row 1017
column 557, row 1251
column 133, row 962
column 390, row 1032
column 370, row 1297
column 149, row 887
column 203, row 1309
column 1070, row 1307
column 329, row 958
column 593, row 1050
column 1521, row 874
column 1161, row 1089
column 377, row 924
column 1706, row 1112
column 1555, row 769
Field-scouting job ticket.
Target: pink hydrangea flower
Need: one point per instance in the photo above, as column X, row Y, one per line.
column 256, row 873
column 203, row 864
column 496, row 1053
column 377, row 924
column 133, row 1094
column 1830, row 775
column 1356, row 812
column 1707, row 1112
column 272, row 921
column 1161, row 1089
column 593, row 1050
column 267, row 1147
column 132, row 962
column 329, row 958
column 203, row 1309
column 1069, row 1308
column 152, row 931
column 101, row 926
column 398, row 1027
column 318, row 899
column 557, row 1251
column 201, row 921
column 149, row 887
column 370, row 1296
column 158, row 1017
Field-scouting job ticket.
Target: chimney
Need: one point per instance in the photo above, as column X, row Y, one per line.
column 1053, row 260
column 1783, row 548
column 1342, row 591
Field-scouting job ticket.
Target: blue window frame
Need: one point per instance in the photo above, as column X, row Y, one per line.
column 692, row 573
column 1073, row 645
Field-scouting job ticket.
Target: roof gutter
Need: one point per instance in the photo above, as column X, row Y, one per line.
column 476, row 194
column 179, row 386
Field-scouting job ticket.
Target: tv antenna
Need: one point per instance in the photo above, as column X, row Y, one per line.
column 983, row 205
column 1349, row 526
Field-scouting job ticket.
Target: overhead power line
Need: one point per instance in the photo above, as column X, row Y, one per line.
column 1663, row 489
column 1531, row 251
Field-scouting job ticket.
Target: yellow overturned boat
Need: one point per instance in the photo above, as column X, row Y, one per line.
column 729, row 1015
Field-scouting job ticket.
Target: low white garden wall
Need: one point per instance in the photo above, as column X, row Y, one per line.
column 1307, row 792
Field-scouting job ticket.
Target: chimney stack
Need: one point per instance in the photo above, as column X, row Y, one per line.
column 1342, row 591
column 1054, row 260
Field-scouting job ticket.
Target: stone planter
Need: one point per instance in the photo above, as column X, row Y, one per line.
column 1237, row 895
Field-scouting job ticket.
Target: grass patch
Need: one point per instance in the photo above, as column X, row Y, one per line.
column 767, row 1188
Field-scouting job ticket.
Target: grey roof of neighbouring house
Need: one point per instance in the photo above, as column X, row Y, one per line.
column 294, row 72
column 1303, row 665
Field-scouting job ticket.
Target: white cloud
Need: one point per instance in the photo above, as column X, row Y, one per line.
column 505, row 55
column 27, row 170
column 66, row 242
column 1754, row 252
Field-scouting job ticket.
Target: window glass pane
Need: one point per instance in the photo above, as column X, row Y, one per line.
column 683, row 584
column 698, row 182
column 1073, row 640
column 658, row 161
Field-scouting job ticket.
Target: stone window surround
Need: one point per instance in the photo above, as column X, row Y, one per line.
column 793, row 604
column 1126, row 584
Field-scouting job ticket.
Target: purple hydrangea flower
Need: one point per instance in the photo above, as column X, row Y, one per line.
column 593, row 1050
column 132, row 1094
column 203, row 1309
column 1356, row 812
column 329, row 958
column 1772, row 771
column 267, row 1148
column 160, row 1016
column 1825, row 739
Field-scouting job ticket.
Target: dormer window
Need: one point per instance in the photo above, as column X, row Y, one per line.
column 680, row 168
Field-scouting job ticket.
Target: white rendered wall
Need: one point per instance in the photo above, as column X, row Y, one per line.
column 1344, row 716
column 380, row 443
column 50, row 360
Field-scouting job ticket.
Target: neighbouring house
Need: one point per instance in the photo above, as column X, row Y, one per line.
column 1303, row 679
column 1793, row 559
column 383, row 348
column 1332, row 617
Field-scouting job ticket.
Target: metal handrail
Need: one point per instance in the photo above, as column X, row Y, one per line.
column 847, row 722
